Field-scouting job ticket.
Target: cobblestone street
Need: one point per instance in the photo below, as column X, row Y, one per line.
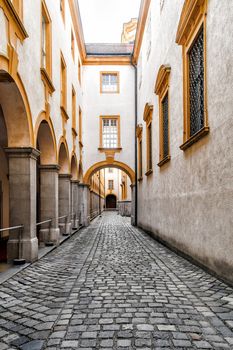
column 113, row 287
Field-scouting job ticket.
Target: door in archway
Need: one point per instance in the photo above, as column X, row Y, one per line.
column 111, row 201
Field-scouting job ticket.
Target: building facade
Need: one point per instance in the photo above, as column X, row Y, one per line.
column 157, row 111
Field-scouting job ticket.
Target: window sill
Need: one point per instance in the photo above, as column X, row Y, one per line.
column 164, row 161
column 64, row 113
column 104, row 149
column 19, row 24
column 46, row 79
column 196, row 137
column 109, row 92
column 150, row 171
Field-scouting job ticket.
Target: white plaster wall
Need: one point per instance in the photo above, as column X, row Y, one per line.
column 29, row 53
column 96, row 104
column 188, row 202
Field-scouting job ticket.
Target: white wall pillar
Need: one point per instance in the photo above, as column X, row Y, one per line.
column 133, row 207
column 84, row 204
column 22, row 182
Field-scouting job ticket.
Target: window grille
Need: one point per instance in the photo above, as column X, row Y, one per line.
column 196, row 84
column 165, row 126
column 110, row 133
column 109, row 82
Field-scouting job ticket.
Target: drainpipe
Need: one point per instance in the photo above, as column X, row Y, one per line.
column 135, row 139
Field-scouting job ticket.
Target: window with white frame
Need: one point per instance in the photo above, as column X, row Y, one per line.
column 109, row 82
column 110, row 184
column 109, row 133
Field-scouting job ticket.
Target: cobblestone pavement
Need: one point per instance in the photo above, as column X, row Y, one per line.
column 111, row 286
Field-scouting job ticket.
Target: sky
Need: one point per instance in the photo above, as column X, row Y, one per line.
column 103, row 20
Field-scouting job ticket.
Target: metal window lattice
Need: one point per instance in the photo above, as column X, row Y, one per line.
column 196, row 84
column 165, row 126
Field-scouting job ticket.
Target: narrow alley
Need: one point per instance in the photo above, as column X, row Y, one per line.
column 111, row 286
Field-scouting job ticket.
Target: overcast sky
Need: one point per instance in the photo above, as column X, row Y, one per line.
column 103, row 20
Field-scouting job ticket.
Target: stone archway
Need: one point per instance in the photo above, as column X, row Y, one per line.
column 17, row 142
column 111, row 201
column 105, row 164
column 64, row 188
column 119, row 165
column 47, row 181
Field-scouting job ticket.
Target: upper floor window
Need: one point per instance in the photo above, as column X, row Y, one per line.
column 110, row 170
column 110, row 184
column 74, row 111
column 63, row 83
column 109, row 82
column 139, row 137
column 148, row 112
column 72, row 45
column 109, row 132
column 194, row 67
column 46, row 40
column 161, row 89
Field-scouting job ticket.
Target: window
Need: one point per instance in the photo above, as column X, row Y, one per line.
column 148, row 111
column 74, row 111
column 80, row 126
column 109, row 82
column 139, row 137
column 161, row 89
column 72, row 45
column 79, row 72
column 148, row 37
column 63, row 83
column 46, row 40
column 110, row 184
column 109, row 132
column 194, row 68
column 110, row 170
column 62, row 9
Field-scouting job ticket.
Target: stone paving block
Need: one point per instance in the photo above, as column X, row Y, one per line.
column 116, row 288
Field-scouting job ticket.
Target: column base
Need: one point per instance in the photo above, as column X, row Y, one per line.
column 65, row 228
column 50, row 237
column 29, row 249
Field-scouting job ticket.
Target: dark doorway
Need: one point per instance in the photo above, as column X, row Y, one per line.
column 111, row 201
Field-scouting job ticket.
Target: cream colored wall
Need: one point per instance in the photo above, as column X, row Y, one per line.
column 188, row 202
column 29, row 55
column 97, row 104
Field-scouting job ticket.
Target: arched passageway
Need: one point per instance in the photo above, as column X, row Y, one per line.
column 122, row 188
column 47, row 182
column 18, row 168
column 111, row 201
column 64, row 188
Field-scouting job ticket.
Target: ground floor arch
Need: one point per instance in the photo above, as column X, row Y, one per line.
column 105, row 164
column 111, row 201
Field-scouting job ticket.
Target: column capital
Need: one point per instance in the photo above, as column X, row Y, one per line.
column 84, row 185
column 22, row 152
column 65, row 176
column 49, row 167
column 75, row 182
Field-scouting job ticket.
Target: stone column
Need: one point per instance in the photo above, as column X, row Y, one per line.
column 22, row 183
column 133, row 207
column 65, row 202
column 75, row 205
column 49, row 202
column 84, row 204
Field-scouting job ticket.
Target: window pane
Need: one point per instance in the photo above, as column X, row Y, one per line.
column 196, row 85
column 165, row 126
column 109, row 82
